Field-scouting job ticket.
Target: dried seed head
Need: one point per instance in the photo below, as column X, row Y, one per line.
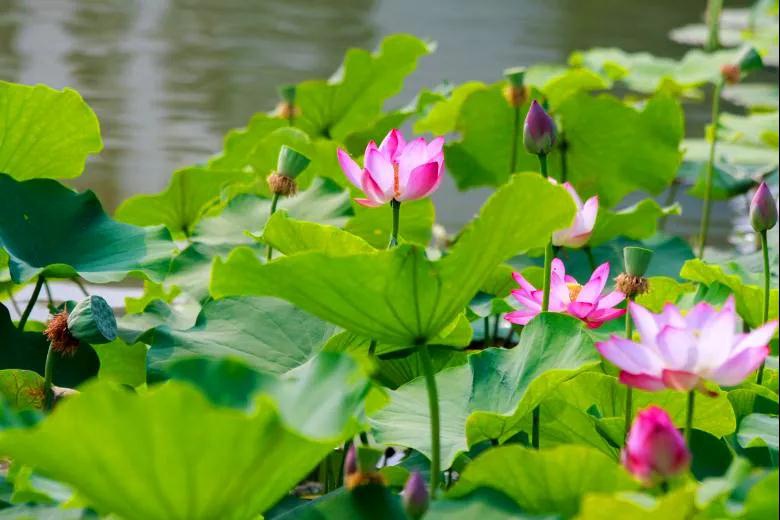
column 731, row 73
column 282, row 184
column 364, row 478
column 515, row 96
column 58, row 334
column 285, row 110
column 631, row 285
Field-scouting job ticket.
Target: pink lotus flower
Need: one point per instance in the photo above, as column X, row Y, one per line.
column 584, row 302
column 681, row 352
column 396, row 170
column 655, row 450
column 578, row 234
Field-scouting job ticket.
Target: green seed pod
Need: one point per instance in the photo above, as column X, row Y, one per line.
column 291, row 163
column 92, row 321
column 636, row 260
column 515, row 76
column 749, row 60
column 287, row 93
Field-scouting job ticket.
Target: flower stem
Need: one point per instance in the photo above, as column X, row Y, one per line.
column 629, row 390
column 396, row 205
column 81, row 286
column 707, row 206
column 433, row 405
column 33, row 298
column 765, row 315
column 548, row 258
column 689, row 417
column 564, row 148
column 270, row 250
column 515, row 136
column 535, row 420
column 486, row 325
column 543, row 164
column 48, row 377
column 591, row 258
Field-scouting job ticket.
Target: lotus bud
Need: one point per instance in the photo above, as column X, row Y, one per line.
column 763, row 212
column 655, row 450
column 415, row 496
column 538, row 131
column 515, row 93
column 290, row 164
column 92, row 321
column 350, row 462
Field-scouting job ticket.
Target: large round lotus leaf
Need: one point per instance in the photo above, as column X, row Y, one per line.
column 48, row 229
column 45, row 132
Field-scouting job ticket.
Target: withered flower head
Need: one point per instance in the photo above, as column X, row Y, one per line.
column 58, row 334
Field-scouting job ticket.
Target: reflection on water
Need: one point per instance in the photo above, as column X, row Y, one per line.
column 168, row 78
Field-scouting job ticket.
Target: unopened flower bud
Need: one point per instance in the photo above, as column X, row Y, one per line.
column 415, row 496
column 350, row 462
column 655, row 450
column 763, row 211
column 92, row 321
column 538, row 131
column 357, row 473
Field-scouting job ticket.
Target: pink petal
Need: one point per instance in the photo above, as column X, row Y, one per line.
column 414, row 155
column 558, row 268
column 599, row 316
column 580, row 309
column 526, row 299
column 680, row 380
column 569, row 279
column 759, row 337
column 677, row 348
column 372, row 190
column 573, row 193
column 589, row 213
column 522, row 282
column 392, row 144
column 644, row 321
column 559, row 291
column 434, row 150
column 611, row 299
column 350, row 167
column 642, row 381
column 381, row 170
column 592, row 290
column 630, row 356
column 737, row 368
column 422, row 181
column 368, row 203
column 520, row 317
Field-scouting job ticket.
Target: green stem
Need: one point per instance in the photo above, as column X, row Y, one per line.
column 486, row 325
column 765, row 315
column 564, row 147
column 372, row 347
column 291, row 115
column 433, row 404
column 714, row 8
column 535, row 420
column 689, row 417
column 33, row 298
column 48, row 378
column 543, row 164
column 548, row 258
column 495, row 327
column 396, row 205
column 671, row 198
column 591, row 259
column 629, row 391
column 509, row 337
column 270, row 250
column 81, row 286
column 515, row 137
column 49, row 297
column 707, row 206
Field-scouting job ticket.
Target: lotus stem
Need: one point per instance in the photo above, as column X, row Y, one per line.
column 270, row 250
column 31, row 304
column 81, row 286
column 671, row 198
column 515, row 136
column 396, row 205
column 486, row 326
column 535, row 420
column 495, row 328
column 433, row 405
column 629, row 390
column 765, row 314
column 564, row 148
column 48, row 377
column 707, row 206
column 689, row 417
column 548, row 258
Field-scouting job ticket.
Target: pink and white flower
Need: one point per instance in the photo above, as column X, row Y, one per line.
column 655, row 450
column 681, row 352
column 584, row 302
column 578, row 234
column 396, row 170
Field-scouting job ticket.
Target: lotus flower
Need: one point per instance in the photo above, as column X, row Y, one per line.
column 681, row 352
column 578, row 234
column 396, row 169
column 584, row 302
column 763, row 211
column 655, row 450
column 415, row 496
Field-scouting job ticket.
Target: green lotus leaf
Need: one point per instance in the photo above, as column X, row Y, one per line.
column 663, row 290
column 353, row 98
column 21, row 389
column 761, row 501
column 372, row 501
column 728, row 180
column 241, row 142
column 568, row 473
column 442, row 117
column 296, row 236
column 748, row 293
column 189, row 194
column 269, row 335
column 754, row 129
column 488, row 398
column 676, row 505
column 123, row 363
column 374, row 224
column 759, row 158
column 45, row 132
column 484, row 503
column 591, row 389
column 50, row 230
column 636, row 222
column 252, row 459
column 755, row 96
column 758, row 429
column 399, row 297
column 26, row 350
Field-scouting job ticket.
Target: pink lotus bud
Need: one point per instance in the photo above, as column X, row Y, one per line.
column 763, row 213
column 350, row 462
column 538, row 131
column 655, row 450
column 415, row 496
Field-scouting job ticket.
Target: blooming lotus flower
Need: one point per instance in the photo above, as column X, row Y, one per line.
column 396, row 170
column 584, row 302
column 655, row 450
column 680, row 352
column 578, row 234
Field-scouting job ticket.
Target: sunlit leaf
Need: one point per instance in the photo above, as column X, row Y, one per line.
column 21, row 389
column 636, row 222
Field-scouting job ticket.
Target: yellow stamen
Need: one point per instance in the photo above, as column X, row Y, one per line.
column 574, row 290
column 396, row 181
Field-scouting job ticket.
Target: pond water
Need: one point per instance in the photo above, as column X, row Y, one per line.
column 168, row 78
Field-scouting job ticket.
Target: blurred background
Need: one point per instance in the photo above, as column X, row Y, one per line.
column 168, row 78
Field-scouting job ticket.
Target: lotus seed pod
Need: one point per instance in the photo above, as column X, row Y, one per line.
column 92, row 321
column 287, row 93
column 291, row 162
column 763, row 212
column 749, row 60
column 515, row 76
column 538, row 131
column 636, row 260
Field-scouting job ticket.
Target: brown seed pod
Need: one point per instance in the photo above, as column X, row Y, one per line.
column 58, row 334
column 284, row 110
column 360, row 478
column 631, row 285
column 282, row 184
column 731, row 73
